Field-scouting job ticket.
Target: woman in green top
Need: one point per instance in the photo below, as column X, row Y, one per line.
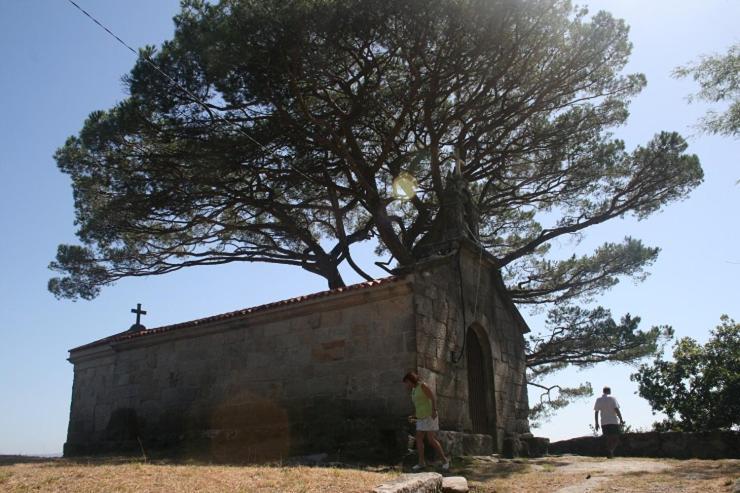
column 427, row 423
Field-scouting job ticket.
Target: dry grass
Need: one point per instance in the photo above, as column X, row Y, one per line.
column 487, row 475
column 67, row 476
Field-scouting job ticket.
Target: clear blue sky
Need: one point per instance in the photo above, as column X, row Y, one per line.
column 57, row 66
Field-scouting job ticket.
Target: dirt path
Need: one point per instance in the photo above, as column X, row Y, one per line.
column 597, row 473
column 574, row 474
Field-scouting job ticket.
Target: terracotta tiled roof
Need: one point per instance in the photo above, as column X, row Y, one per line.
column 122, row 336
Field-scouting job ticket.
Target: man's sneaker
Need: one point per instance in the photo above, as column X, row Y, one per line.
column 417, row 467
column 446, row 466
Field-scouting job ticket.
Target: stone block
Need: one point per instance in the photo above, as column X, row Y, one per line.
column 142, row 376
column 427, row 482
column 102, row 416
column 424, row 307
column 455, row 484
column 121, row 379
column 234, row 336
column 454, row 414
column 477, row 444
column 331, row 318
column 440, row 309
column 329, row 351
column 233, row 348
column 312, row 321
column 279, row 330
column 438, row 364
column 178, row 396
column 318, row 386
column 452, row 443
column 149, row 391
column 512, row 446
column 151, row 358
column 427, row 344
column 428, row 289
column 257, row 360
column 427, row 326
column 359, row 315
column 338, row 332
column 409, row 341
column 359, row 332
column 536, row 446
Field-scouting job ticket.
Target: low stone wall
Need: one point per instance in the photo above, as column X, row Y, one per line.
column 702, row 445
column 457, row 444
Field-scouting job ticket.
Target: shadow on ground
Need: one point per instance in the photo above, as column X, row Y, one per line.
column 482, row 470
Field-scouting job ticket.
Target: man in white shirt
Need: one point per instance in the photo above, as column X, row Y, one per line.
column 611, row 419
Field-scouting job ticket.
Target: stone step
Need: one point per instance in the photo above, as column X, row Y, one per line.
column 454, row 484
column 425, row 482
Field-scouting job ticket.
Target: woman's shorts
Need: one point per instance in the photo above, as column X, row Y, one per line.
column 610, row 429
column 427, row 424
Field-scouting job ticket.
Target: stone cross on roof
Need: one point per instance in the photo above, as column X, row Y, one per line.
column 139, row 312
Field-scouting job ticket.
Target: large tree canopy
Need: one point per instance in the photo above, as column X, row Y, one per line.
column 719, row 79
column 700, row 389
column 280, row 125
column 344, row 95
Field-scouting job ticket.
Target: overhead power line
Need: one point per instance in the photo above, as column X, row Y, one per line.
column 189, row 93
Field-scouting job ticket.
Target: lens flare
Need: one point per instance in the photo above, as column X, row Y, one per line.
column 404, row 186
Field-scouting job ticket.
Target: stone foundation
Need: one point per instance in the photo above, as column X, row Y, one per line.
column 457, row 444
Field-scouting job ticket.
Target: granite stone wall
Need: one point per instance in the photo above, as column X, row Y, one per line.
column 321, row 377
column 441, row 331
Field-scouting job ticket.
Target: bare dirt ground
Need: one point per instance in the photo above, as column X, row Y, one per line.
column 562, row 474
column 574, row 474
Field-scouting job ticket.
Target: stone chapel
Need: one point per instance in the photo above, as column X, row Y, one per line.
column 320, row 373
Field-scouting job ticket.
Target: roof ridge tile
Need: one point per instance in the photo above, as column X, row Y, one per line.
column 122, row 336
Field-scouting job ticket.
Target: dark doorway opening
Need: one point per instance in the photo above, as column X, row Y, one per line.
column 478, row 383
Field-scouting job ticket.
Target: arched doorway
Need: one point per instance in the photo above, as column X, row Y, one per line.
column 480, row 384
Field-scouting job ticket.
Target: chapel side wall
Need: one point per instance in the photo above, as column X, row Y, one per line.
column 90, row 381
column 441, row 333
column 308, row 383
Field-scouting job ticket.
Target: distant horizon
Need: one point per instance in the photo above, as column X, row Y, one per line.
column 50, row 455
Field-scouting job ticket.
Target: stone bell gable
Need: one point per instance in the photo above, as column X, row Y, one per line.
column 470, row 343
column 318, row 373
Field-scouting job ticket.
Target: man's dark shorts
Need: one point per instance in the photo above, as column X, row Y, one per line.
column 610, row 429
